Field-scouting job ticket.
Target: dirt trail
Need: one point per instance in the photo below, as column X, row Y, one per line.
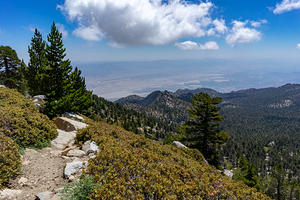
column 43, row 170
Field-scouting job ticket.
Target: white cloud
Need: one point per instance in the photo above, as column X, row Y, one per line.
column 187, row 45
column 91, row 33
column 190, row 45
column 298, row 46
column 62, row 30
column 142, row 22
column 242, row 34
column 286, row 5
column 257, row 24
column 219, row 27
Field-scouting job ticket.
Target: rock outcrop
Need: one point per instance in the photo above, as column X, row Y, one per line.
column 179, row 144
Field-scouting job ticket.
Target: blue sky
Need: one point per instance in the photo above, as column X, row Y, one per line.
column 279, row 34
column 98, row 31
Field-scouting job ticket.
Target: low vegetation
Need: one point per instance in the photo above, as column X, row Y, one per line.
column 10, row 161
column 131, row 166
column 21, row 121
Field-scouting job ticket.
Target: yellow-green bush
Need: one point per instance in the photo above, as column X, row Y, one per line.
column 21, row 121
column 10, row 161
column 130, row 166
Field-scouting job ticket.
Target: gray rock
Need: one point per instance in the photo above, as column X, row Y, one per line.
column 179, row 144
column 90, row 147
column 2, row 86
column 72, row 167
column 22, row 181
column 67, row 124
column 44, row 196
column 75, row 153
column 39, row 98
column 8, row 194
column 63, row 139
column 228, row 173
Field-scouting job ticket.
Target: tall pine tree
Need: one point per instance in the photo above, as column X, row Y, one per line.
column 59, row 68
column 36, row 71
column 202, row 128
column 66, row 90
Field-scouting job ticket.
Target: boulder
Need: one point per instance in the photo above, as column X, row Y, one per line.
column 90, row 147
column 8, row 194
column 72, row 167
column 179, row 144
column 2, row 86
column 75, row 153
column 68, row 125
column 39, row 98
column 63, row 139
column 44, row 196
column 64, row 125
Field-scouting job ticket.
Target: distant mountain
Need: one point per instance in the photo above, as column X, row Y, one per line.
column 253, row 117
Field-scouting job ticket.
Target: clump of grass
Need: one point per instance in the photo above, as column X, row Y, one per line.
column 79, row 190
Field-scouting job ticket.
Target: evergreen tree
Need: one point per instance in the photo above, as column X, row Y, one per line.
column 279, row 174
column 36, row 71
column 248, row 173
column 202, row 128
column 10, row 68
column 78, row 99
column 58, row 67
column 58, row 70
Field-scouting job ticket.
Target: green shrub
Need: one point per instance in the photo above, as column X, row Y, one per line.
column 131, row 166
column 21, row 121
column 10, row 161
column 79, row 190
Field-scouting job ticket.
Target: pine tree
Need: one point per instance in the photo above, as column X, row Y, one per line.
column 78, row 99
column 58, row 70
column 202, row 128
column 36, row 71
column 248, row 173
column 10, row 68
column 58, row 67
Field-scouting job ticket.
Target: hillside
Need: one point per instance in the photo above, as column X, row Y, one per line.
column 128, row 166
column 263, row 123
column 131, row 166
column 129, row 119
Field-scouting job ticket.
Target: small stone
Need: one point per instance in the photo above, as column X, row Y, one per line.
column 76, row 153
column 228, row 173
column 90, row 147
column 44, row 196
column 22, row 181
column 72, row 168
column 179, row 144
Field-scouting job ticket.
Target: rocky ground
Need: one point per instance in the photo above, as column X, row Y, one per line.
column 46, row 171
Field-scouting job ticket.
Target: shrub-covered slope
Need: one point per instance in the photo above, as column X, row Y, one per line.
column 21, row 121
column 10, row 161
column 130, row 166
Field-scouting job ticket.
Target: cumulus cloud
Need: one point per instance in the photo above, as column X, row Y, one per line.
column 240, row 33
column 298, row 46
column 257, row 24
column 190, row 45
column 91, row 33
column 62, row 30
column 219, row 27
column 286, row 5
column 142, row 22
